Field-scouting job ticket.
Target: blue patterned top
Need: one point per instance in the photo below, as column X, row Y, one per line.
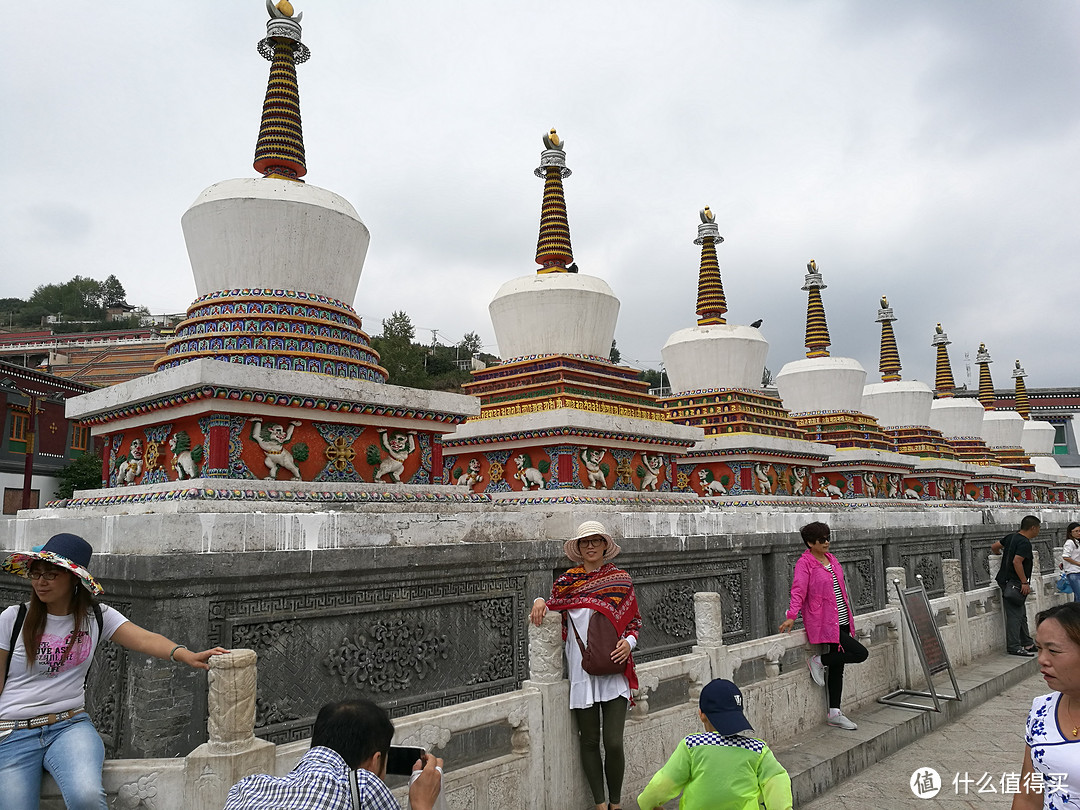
column 1053, row 755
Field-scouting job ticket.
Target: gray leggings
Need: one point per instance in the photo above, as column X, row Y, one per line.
column 614, row 762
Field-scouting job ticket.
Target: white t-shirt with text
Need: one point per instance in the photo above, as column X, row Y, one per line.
column 51, row 685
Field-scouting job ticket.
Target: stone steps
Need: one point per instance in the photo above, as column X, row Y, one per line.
column 824, row 758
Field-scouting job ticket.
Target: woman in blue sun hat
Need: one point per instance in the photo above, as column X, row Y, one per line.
column 43, row 669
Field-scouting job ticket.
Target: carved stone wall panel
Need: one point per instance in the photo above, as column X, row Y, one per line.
column 411, row 647
column 928, row 566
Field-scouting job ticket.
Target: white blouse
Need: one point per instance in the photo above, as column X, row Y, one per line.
column 586, row 689
column 1053, row 755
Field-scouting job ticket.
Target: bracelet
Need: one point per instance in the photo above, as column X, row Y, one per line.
column 172, row 654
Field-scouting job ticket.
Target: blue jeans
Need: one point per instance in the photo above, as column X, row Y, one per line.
column 70, row 750
column 1074, row 580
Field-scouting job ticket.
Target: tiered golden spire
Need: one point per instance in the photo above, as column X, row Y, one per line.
column 553, row 251
column 1023, row 406
column 986, row 384
column 944, row 386
column 817, row 330
column 711, row 303
column 280, row 148
column 889, row 364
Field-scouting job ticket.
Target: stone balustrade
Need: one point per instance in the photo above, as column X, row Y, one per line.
column 532, row 728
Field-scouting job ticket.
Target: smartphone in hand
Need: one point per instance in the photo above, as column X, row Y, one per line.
column 401, row 759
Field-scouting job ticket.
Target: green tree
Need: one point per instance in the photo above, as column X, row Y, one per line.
column 615, row 355
column 398, row 326
column 470, row 345
column 112, row 292
column 397, row 353
column 82, row 473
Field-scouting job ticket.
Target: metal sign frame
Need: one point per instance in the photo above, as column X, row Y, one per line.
column 941, row 655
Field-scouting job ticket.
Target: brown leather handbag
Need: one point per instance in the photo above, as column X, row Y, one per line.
column 596, row 657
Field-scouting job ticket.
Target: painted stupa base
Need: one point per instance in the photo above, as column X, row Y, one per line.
column 844, row 430
column 1014, row 458
column 1063, row 489
column 972, row 450
column 280, row 329
column 565, row 448
column 992, row 483
column 862, row 473
column 935, row 479
column 209, row 419
column 745, row 464
column 1033, row 489
column 723, row 411
column 548, row 382
column 921, row 441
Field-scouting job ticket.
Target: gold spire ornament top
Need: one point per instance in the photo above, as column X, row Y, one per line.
column 817, row 329
column 944, row 385
column 1022, row 405
column 986, row 384
column 280, row 149
column 553, row 251
column 711, row 303
column 889, row 362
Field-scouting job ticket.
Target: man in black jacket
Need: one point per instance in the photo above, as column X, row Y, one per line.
column 1014, row 578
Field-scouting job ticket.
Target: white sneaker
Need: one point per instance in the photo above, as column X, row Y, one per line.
column 817, row 669
column 840, row 721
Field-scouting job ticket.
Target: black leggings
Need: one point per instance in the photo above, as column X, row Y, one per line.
column 848, row 651
column 614, row 762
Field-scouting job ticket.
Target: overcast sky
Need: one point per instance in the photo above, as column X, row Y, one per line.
column 924, row 150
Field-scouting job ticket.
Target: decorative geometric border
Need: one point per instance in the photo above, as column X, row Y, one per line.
column 270, row 398
column 558, row 433
column 272, row 496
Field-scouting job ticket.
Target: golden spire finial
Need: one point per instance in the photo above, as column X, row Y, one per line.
column 884, row 302
column 283, row 9
column 711, row 302
column 552, row 141
column 939, row 330
column 889, row 362
column 707, row 216
column 811, row 266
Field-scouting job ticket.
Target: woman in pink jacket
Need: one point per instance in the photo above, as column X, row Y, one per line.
column 819, row 592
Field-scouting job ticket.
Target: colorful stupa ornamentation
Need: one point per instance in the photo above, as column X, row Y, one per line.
column 270, row 375
column 558, row 414
column 902, row 408
column 1002, row 429
column 752, row 445
column 1038, row 438
column 824, row 393
column 960, row 420
column 276, row 263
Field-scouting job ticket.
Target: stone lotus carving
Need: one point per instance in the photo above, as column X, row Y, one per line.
column 389, row 655
column 140, row 793
column 262, row 635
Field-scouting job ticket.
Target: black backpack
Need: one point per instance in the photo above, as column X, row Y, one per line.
column 21, row 617
column 1006, row 560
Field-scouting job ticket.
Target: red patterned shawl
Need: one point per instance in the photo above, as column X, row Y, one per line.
column 607, row 590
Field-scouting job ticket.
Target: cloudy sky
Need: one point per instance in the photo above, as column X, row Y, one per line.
column 924, row 150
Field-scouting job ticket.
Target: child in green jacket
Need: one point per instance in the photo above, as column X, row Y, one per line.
column 720, row 769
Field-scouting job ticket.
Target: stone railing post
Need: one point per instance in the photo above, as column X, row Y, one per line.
column 892, row 598
column 958, row 610
column 232, row 751
column 553, row 740
column 709, row 626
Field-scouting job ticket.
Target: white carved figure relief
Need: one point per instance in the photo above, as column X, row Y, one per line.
column 528, row 475
column 272, row 440
column 911, row 494
column 399, row 445
column 829, row 490
column 709, row 484
column 653, row 466
column 591, row 458
column 799, row 476
column 761, row 477
column 131, row 465
column 869, row 481
column 471, row 476
column 186, row 459
column 893, row 485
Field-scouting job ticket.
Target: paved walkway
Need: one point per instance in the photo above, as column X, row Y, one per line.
column 983, row 745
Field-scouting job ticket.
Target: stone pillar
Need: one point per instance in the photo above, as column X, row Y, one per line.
column 553, row 736
column 892, row 598
column 709, row 626
column 233, row 751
